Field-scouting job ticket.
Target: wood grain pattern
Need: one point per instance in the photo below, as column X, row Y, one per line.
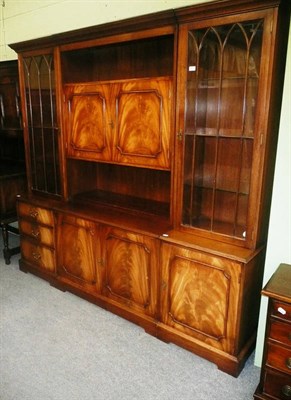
column 126, row 122
column 130, row 263
column 86, row 118
column 200, row 295
column 37, row 214
column 42, row 257
column 144, row 122
column 40, row 233
column 76, row 250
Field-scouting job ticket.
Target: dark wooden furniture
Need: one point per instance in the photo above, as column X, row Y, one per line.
column 275, row 382
column 152, row 196
column 12, row 165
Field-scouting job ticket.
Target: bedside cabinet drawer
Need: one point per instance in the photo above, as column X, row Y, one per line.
column 277, row 385
column 37, row 255
column 281, row 331
column 281, row 310
column 37, row 214
column 41, row 234
column 279, row 357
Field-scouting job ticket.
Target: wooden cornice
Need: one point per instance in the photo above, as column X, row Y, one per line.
column 130, row 25
column 161, row 19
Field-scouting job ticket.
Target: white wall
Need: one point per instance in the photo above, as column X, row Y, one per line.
column 29, row 19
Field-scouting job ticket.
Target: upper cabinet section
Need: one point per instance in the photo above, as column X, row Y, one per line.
column 119, row 102
column 180, row 107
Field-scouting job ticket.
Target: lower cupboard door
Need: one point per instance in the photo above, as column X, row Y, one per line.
column 131, row 270
column 199, row 295
column 76, row 241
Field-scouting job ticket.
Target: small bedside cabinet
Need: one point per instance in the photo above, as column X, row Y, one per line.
column 275, row 381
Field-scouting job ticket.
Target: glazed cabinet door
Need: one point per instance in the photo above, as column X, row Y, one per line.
column 77, row 249
column 200, row 296
column 130, row 270
column 41, row 125
column 222, row 97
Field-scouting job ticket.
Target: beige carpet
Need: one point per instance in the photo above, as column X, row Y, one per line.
column 56, row 346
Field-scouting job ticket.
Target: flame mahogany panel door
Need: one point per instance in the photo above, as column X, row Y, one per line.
column 200, row 296
column 77, row 244
column 143, row 123
column 88, row 121
column 126, row 122
column 130, row 270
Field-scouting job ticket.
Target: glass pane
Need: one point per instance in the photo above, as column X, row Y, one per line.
column 42, row 124
column 221, row 96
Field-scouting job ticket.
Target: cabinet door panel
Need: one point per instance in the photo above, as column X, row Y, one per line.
column 200, row 295
column 144, row 123
column 88, row 124
column 77, row 245
column 131, row 267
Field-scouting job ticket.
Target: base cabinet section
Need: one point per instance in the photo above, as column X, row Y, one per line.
column 189, row 295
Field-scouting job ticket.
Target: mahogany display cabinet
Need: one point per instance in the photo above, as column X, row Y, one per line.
column 150, row 150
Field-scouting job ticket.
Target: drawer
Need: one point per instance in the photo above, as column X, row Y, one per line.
column 281, row 310
column 37, row 214
column 38, row 255
column 280, row 331
column 41, row 234
column 277, row 385
column 279, row 357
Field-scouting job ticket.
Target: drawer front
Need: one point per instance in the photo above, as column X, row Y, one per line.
column 281, row 310
column 279, row 357
column 277, row 385
column 37, row 214
column 281, row 332
column 38, row 255
column 41, row 234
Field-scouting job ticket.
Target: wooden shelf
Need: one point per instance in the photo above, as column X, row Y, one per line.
column 131, row 204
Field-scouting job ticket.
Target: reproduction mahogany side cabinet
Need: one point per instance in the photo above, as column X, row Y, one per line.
column 275, row 382
column 150, row 148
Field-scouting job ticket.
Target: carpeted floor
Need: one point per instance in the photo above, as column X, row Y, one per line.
column 56, row 346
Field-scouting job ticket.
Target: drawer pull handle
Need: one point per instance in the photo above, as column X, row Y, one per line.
column 281, row 310
column 36, row 256
column 286, row 390
column 33, row 213
column 35, row 234
column 288, row 362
